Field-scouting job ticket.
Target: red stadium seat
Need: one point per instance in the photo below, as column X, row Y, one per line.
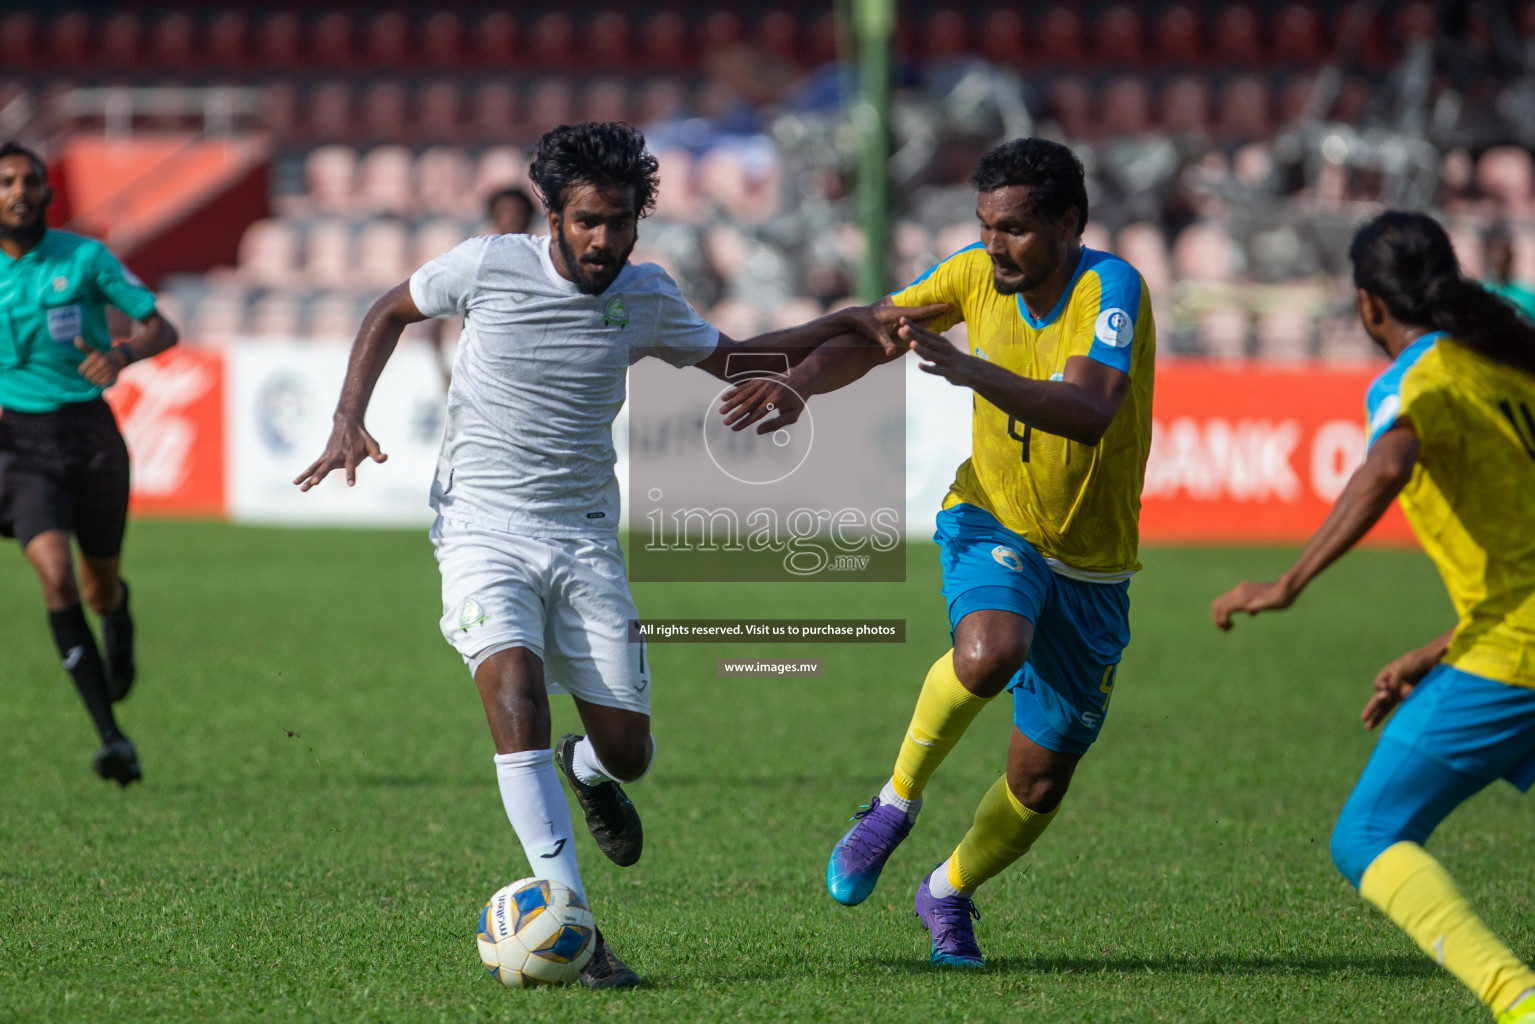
column 330, row 173
column 551, row 102
column 944, row 35
column 445, row 180
column 661, row 99
column 1071, row 102
column 1003, row 37
column 440, row 116
column 1295, row 97
column 1060, row 37
column 383, row 111
column 442, row 40
column 1298, row 35
column 382, row 250
column 778, row 33
column 18, row 41
column 1118, row 37
column 607, row 100
column 494, row 111
column 175, row 42
column 1358, row 35
column 550, row 41
column 69, row 41
column 227, row 41
column 280, row 41
column 495, row 40
column 1126, row 106
column 664, row 42
column 1179, row 38
column 722, row 28
column 332, row 40
column 1416, row 21
column 279, row 110
column 389, row 45
column 1186, row 107
column 386, row 181
column 1238, row 38
column 330, row 112
column 605, row 43
column 821, row 39
column 1245, row 110
column 1527, row 21
column 121, row 41
column 268, row 253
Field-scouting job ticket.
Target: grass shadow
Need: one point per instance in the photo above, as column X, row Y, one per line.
column 1384, row 965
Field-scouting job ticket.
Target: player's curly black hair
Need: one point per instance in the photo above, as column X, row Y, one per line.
column 1406, row 260
column 594, row 153
column 1052, row 172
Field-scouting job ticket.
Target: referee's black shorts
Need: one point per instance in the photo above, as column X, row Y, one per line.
column 64, row 470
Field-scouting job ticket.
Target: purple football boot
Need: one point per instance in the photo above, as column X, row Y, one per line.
column 860, row 856
column 948, row 921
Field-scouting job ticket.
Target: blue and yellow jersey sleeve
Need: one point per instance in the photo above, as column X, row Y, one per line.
column 951, row 280
column 1469, row 497
column 1078, row 504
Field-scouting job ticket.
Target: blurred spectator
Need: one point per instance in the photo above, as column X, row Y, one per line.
column 1500, row 270
column 510, row 211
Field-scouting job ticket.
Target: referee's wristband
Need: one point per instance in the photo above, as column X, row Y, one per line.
column 122, row 349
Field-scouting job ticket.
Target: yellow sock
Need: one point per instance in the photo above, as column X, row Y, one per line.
column 944, row 711
column 1419, row 895
column 1004, row 830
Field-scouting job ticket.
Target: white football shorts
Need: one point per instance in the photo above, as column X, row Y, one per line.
column 566, row 600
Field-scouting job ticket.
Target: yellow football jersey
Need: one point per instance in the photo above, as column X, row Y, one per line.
column 1471, row 499
column 1078, row 504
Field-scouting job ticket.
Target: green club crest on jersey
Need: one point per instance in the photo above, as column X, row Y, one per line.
column 470, row 614
column 616, row 314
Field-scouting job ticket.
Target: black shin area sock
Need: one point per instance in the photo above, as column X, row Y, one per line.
column 77, row 648
column 117, row 646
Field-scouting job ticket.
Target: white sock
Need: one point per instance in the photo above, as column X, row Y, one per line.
column 938, row 882
column 888, row 795
column 589, row 768
column 535, row 805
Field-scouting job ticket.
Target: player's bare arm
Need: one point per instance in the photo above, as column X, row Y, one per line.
column 1079, row 407
column 1364, row 500
column 154, row 335
column 1394, row 682
column 861, row 338
column 350, row 443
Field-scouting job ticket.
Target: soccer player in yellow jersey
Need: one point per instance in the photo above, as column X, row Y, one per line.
column 1038, row 534
column 1452, row 432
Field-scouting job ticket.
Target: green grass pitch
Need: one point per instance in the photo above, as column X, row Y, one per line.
column 320, row 822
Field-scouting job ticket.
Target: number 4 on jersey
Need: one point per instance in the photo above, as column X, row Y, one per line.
column 1022, row 439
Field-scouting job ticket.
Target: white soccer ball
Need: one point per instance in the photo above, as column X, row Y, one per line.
column 536, row 932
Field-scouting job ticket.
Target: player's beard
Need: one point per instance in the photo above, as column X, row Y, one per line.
column 585, row 282
column 27, row 234
column 1026, row 283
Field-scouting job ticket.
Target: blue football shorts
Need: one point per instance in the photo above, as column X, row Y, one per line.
column 1455, row 734
column 1061, row 694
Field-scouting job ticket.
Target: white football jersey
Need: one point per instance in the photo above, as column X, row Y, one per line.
column 539, row 378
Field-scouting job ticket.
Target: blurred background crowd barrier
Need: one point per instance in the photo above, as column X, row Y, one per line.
column 270, row 169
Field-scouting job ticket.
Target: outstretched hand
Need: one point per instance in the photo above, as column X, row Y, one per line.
column 939, row 356
column 879, row 322
column 349, row 446
column 755, row 399
column 1249, row 597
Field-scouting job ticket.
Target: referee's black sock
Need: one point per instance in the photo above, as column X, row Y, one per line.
column 77, row 648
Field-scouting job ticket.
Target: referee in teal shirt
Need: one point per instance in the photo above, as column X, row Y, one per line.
column 63, row 464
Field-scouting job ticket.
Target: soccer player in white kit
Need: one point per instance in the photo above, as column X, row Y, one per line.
column 534, row 591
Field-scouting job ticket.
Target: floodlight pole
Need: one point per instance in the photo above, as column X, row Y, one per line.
column 874, row 26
